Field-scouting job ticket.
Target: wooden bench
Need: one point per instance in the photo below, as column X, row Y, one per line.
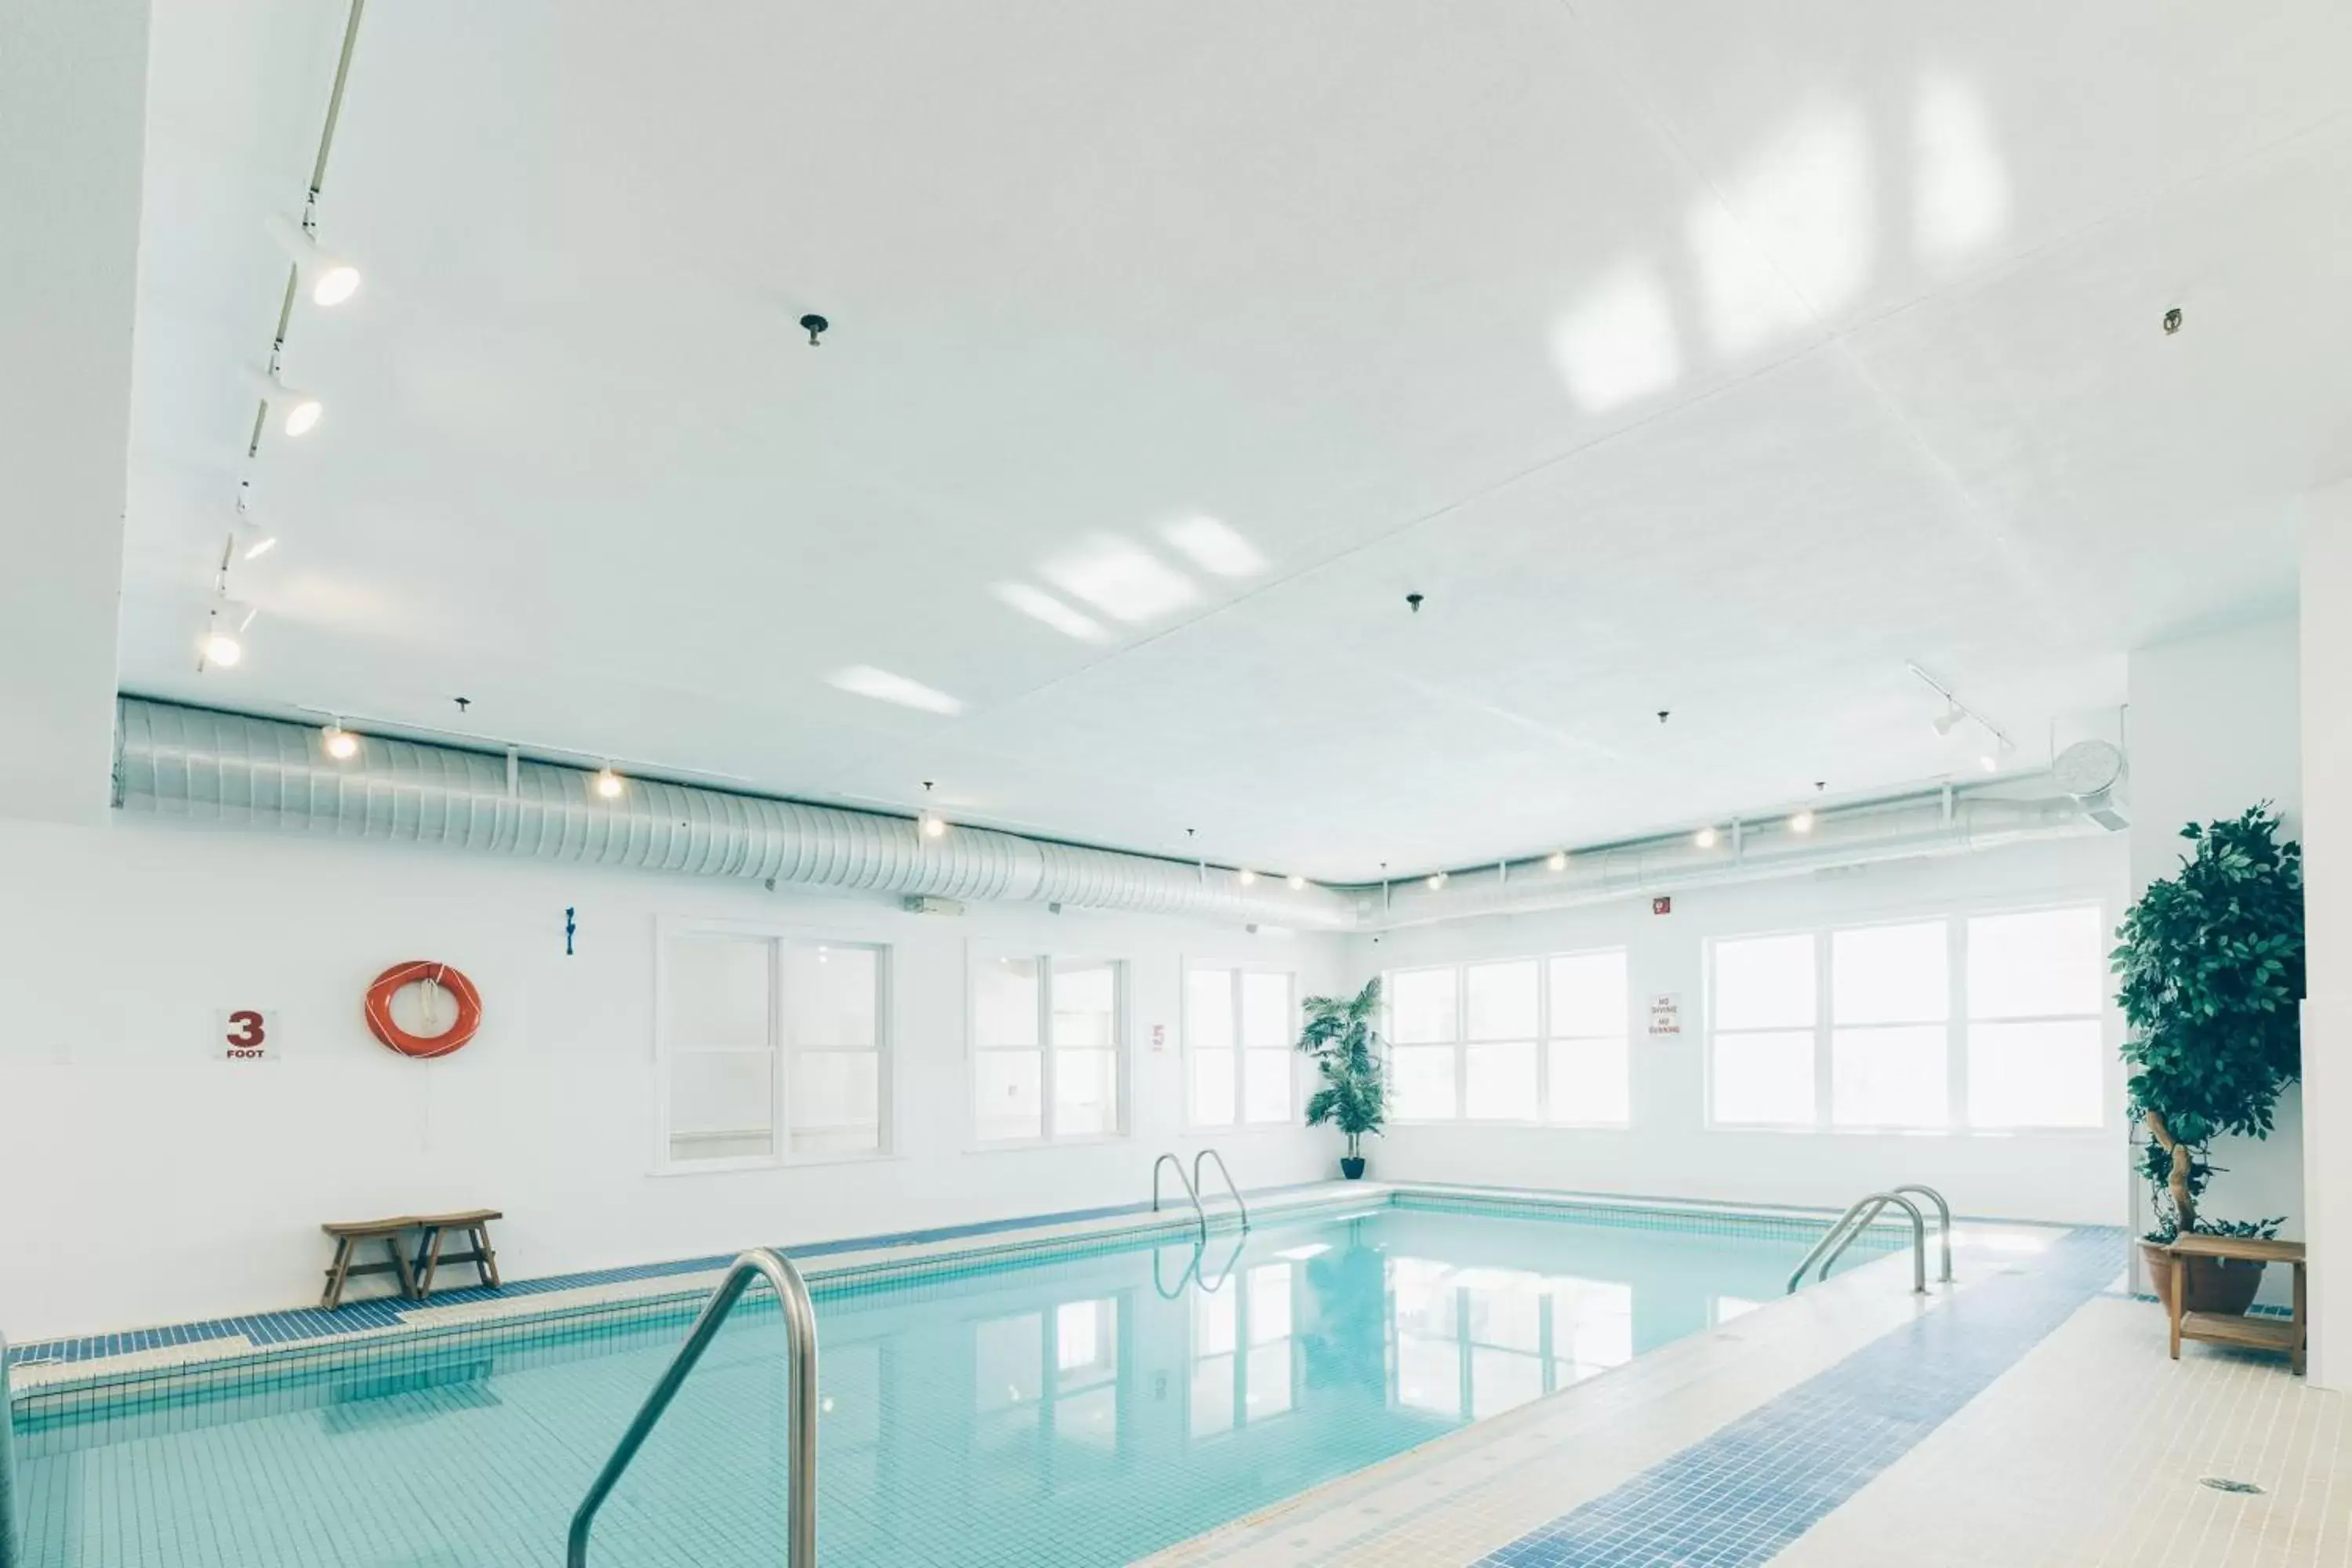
column 417, row 1277
column 2291, row 1335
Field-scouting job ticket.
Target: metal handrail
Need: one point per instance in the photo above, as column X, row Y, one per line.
column 12, row 1544
column 1190, row 1191
column 800, row 1430
column 1943, row 1222
column 1843, row 1232
column 1231, row 1187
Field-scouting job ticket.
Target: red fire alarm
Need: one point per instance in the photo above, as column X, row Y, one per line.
column 1662, row 906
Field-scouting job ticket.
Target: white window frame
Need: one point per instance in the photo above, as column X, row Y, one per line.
column 1241, row 1122
column 1544, row 1037
column 1955, row 918
column 1122, row 1051
column 669, row 930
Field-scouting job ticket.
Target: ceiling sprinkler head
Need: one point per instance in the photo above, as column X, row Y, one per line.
column 1413, row 602
column 814, row 326
column 2172, row 321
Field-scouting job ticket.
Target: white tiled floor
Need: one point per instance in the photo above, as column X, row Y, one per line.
column 2093, row 1450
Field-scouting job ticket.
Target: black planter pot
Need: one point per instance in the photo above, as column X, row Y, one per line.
column 1352, row 1167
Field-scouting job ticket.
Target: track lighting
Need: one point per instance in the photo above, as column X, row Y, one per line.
column 1990, row 763
column 1703, row 837
column 1245, row 876
column 297, row 412
column 340, row 744
column 1802, row 822
column 1437, row 882
column 223, row 638
column 1949, row 721
column 1296, row 882
column 608, row 784
column 1558, row 861
column 222, row 647
column 933, row 825
column 331, row 279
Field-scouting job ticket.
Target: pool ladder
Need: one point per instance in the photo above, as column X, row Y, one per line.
column 800, row 1431
column 1864, row 1214
column 12, row 1543
column 1192, row 1188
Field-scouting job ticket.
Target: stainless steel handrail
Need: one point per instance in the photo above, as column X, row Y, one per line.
column 1843, row 1233
column 12, row 1543
column 800, row 1429
column 1190, row 1191
column 1943, row 1222
column 1198, row 1184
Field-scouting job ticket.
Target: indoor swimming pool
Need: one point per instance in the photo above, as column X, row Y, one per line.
column 1083, row 1411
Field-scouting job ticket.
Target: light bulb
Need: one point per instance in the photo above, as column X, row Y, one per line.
column 342, row 744
column 1296, row 882
column 1246, row 876
column 1802, row 822
column 223, row 648
column 336, row 282
column 1437, row 881
column 1558, row 861
column 608, row 784
column 302, row 414
column 1990, row 763
column 934, row 826
column 1703, row 837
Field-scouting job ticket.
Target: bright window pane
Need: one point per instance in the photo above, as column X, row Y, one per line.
column 1008, row 1361
column 1266, row 1010
column 1502, row 1000
column 1267, row 1092
column 1892, row 1076
column 1008, row 1093
column 1086, row 1004
column 832, row 996
column 721, row 1106
column 1890, row 974
column 1590, row 1081
column 1004, row 1002
column 1212, row 1408
column 1212, row 1089
column 1215, row 1330
column 1587, row 994
column 1209, row 1009
column 718, row 990
column 1502, row 1082
column 1269, row 1303
column 1764, row 1079
column 1420, row 1005
column 835, row 1101
column 1424, row 1082
column 1764, row 983
column 2033, row 965
column 1085, row 1092
column 1268, row 1381
column 2037, row 1075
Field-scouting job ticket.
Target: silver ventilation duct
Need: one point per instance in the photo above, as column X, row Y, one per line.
column 241, row 772
column 1945, row 821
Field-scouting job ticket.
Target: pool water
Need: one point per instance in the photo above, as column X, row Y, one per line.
column 1081, row 1412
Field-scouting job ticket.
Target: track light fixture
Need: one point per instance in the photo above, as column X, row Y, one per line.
column 1246, row 877
column 1437, row 882
column 608, row 783
column 1949, row 721
column 298, row 412
column 933, row 825
column 1802, row 822
column 1705, row 837
column 1297, row 882
column 223, row 638
column 340, row 744
column 1559, row 861
column 331, row 279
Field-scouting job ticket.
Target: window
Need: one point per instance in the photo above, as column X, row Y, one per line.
column 2026, row 988
column 1048, row 1041
column 1521, row 1039
column 2036, row 1053
column 770, row 1047
column 1239, row 1025
column 1762, row 1009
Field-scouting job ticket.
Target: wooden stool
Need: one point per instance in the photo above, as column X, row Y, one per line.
column 390, row 1232
column 475, row 1224
column 2291, row 1336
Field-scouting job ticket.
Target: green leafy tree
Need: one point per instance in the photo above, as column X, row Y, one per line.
column 2212, row 972
column 1341, row 1038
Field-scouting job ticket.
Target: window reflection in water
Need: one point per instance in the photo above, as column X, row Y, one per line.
column 1474, row 1342
column 1239, row 1379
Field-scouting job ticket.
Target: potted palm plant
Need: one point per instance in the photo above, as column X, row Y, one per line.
column 1340, row 1038
column 2211, row 976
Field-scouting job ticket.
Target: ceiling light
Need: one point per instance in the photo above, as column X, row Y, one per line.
column 222, row 648
column 1949, row 720
column 1558, row 861
column 1437, row 881
column 1703, row 837
column 1123, row 580
column 1040, row 606
column 1990, row 763
column 332, row 278
column 1215, row 547
column 1246, row 876
column 342, row 744
column 1296, row 882
column 224, row 628
column 1802, row 822
column 297, row 412
column 608, row 784
column 865, row 680
column 934, row 826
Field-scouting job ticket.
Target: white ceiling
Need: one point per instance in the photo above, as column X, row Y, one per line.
column 1703, row 356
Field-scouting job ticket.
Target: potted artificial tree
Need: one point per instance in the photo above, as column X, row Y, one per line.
column 2211, row 968
column 1341, row 1038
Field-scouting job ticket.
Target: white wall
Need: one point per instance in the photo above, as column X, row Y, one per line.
column 1670, row 1151
column 2327, row 928
column 146, row 1182
column 2214, row 724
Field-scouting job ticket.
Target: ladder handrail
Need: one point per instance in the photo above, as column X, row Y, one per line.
column 1943, row 1222
column 1231, row 1187
column 1843, row 1233
column 11, row 1542
column 800, row 1431
column 1191, row 1192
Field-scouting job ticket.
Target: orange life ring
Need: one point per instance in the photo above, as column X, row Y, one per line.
column 379, row 1008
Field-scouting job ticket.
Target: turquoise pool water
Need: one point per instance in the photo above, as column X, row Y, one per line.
column 1081, row 1412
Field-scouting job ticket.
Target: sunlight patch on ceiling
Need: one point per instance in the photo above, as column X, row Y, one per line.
column 1619, row 342
column 865, row 680
column 1121, row 579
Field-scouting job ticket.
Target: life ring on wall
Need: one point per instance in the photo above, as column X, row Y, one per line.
column 379, row 1008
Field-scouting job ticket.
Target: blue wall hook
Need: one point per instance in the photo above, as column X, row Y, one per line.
column 570, row 925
